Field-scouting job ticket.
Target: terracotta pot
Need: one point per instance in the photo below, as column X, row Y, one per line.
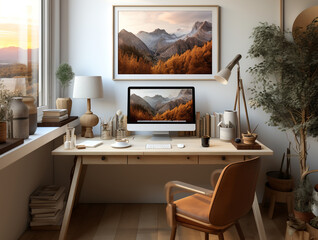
column 33, row 115
column 64, row 103
column 304, row 216
column 249, row 138
column 3, row 131
column 313, row 232
column 279, row 184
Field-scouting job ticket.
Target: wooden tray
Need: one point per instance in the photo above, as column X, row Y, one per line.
column 10, row 143
column 57, row 124
column 243, row 146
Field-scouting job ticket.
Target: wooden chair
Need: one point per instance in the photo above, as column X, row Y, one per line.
column 212, row 212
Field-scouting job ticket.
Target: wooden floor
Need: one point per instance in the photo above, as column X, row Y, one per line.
column 148, row 222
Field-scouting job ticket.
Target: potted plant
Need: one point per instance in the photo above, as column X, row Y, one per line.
column 282, row 180
column 64, row 74
column 5, row 112
column 286, row 83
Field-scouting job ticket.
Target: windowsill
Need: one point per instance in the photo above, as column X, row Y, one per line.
column 42, row 136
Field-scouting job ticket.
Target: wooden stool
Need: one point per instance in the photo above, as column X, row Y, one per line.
column 280, row 197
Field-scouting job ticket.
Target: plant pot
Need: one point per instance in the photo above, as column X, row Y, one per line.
column 33, row 116
column 64, row 103
column 3, row 131
column 313, row 232
column 304, row 216
column 249, row 138
column 279, row 184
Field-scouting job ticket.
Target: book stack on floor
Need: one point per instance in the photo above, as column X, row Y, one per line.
column 47, row 205
column 54, row 115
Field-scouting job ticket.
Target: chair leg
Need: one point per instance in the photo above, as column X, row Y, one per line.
column 221, row 237
column 239, row 231
column 206, row 235
column 173, row 233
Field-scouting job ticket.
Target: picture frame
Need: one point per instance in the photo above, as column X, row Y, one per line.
column 165, row 42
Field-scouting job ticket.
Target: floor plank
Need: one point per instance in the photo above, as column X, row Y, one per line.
column 148, row 222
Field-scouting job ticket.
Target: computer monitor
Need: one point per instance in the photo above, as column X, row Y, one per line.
column 161, row 109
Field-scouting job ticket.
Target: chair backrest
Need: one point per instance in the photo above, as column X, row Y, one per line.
column 234, row 192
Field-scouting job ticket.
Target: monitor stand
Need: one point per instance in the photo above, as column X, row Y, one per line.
column 160, row 136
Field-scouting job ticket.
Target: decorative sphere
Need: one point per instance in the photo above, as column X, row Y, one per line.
column 237, row 140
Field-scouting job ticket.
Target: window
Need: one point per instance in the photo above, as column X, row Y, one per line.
column 20, row 46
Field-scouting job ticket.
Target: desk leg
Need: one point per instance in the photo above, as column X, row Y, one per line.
column 71, row 198
column 258, row 219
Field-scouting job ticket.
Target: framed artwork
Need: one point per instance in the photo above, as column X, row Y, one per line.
column 165, row 42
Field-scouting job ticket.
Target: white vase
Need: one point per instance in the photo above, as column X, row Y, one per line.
column 227, row 134
column 230, row 118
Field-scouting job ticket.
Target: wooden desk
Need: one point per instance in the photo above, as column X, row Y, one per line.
column 219, row 152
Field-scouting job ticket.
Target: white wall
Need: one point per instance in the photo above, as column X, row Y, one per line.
column 17, row 182
column 86, row 44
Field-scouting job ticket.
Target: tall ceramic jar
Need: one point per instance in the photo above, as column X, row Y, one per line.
column 20, row 119
column 33, row 116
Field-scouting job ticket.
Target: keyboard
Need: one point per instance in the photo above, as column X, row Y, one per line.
column 158, row 146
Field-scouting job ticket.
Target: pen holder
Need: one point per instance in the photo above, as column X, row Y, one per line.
column 227, row 134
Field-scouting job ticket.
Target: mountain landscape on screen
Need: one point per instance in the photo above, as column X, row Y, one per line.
column 160, row 52
column 159, row 108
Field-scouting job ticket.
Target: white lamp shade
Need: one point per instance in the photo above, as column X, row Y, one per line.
column 223, row 76
column 88, row 87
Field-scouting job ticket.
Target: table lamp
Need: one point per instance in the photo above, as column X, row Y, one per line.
column 223, row 77
column 88, row 87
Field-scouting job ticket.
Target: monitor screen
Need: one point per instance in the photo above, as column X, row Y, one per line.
column 161, row 105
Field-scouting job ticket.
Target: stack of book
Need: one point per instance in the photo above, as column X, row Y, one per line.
column 47, row 205
column 54, row 115
column 207, row 125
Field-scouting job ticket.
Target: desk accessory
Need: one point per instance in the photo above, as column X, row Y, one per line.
column 88, row 87
column 158, row 146
column 91, row 143
column 223, row 77
column 70, row 139
column 243, row 146
column 227, row 133
column 205, row 141
column 180, row 145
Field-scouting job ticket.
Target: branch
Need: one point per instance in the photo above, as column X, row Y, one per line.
column 307, row 172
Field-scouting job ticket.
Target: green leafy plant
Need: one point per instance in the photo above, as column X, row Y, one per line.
column 5, row 99
column 286, row 81
column 303, row 196
column 65, row 74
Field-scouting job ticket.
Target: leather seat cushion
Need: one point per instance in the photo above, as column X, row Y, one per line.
column 196, row 206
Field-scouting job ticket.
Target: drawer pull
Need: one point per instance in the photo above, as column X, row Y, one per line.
column 103, row 158
column 223, row 158
column 188, row 158
column 138, row 157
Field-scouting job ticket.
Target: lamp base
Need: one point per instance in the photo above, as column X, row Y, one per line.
column 88, row 120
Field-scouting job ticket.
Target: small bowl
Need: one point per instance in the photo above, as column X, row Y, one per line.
column 249, row 138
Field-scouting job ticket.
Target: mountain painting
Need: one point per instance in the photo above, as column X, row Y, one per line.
column 168, row 41
column 161, row 105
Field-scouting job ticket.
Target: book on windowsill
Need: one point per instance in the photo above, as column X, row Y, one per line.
column 54, row 112
column 54, row 119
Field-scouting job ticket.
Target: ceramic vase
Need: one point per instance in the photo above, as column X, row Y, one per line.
column 230, row 118
column 3, row 131
column 64, row 103
column 20, row 120
column 33, row 116
column 227, row 134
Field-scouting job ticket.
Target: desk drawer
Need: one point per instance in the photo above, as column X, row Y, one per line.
column 104, row 159
column 219, row 159
column 162, row 159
